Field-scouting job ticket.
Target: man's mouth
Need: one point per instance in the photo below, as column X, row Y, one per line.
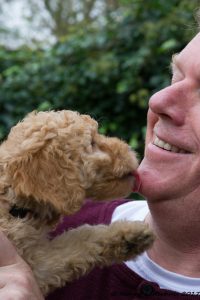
column 166, row 146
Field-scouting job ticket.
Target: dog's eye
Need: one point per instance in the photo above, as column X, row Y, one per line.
column 93, row 144
column 19, row 212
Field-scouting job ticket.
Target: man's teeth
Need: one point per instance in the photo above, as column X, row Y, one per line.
column 162, row 144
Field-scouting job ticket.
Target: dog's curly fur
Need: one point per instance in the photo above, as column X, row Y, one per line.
column 51, row 162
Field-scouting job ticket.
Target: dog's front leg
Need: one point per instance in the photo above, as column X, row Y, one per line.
column 78, row 251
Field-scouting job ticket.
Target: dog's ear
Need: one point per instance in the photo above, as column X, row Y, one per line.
column 38, row 167
column 45, row 178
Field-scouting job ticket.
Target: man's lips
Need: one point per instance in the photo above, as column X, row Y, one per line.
column 137, row 182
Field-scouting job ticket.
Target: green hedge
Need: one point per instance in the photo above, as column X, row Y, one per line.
column 109, row 73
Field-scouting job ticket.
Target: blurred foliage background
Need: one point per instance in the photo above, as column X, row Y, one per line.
column 101, row 57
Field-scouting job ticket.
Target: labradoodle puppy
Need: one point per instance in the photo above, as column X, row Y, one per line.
column 51, row 162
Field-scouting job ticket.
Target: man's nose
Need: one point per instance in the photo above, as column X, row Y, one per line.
column 170, row 103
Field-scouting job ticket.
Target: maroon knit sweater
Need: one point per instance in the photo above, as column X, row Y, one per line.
column 117, row 282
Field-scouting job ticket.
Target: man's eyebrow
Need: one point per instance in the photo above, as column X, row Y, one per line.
column 174, row 61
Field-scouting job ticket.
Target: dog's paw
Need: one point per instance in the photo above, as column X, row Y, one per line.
column 128, row 239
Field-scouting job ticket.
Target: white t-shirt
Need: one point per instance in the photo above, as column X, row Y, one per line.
column 143, row 265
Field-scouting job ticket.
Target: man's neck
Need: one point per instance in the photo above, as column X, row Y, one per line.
column 177, row 245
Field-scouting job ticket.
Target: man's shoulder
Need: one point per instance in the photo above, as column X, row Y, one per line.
column 92, row 213
column 135, row 210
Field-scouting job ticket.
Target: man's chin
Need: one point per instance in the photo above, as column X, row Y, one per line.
column 151, row 187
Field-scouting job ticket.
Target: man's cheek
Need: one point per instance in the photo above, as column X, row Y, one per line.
column 152, row 119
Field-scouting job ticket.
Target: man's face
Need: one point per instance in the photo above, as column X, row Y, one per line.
column 171, row 166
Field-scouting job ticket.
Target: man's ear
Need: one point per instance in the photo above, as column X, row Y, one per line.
column 45, row 174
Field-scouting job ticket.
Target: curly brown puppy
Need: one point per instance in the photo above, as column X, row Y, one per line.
column 51, row 162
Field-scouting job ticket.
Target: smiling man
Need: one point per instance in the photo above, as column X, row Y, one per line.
column 170, row 177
